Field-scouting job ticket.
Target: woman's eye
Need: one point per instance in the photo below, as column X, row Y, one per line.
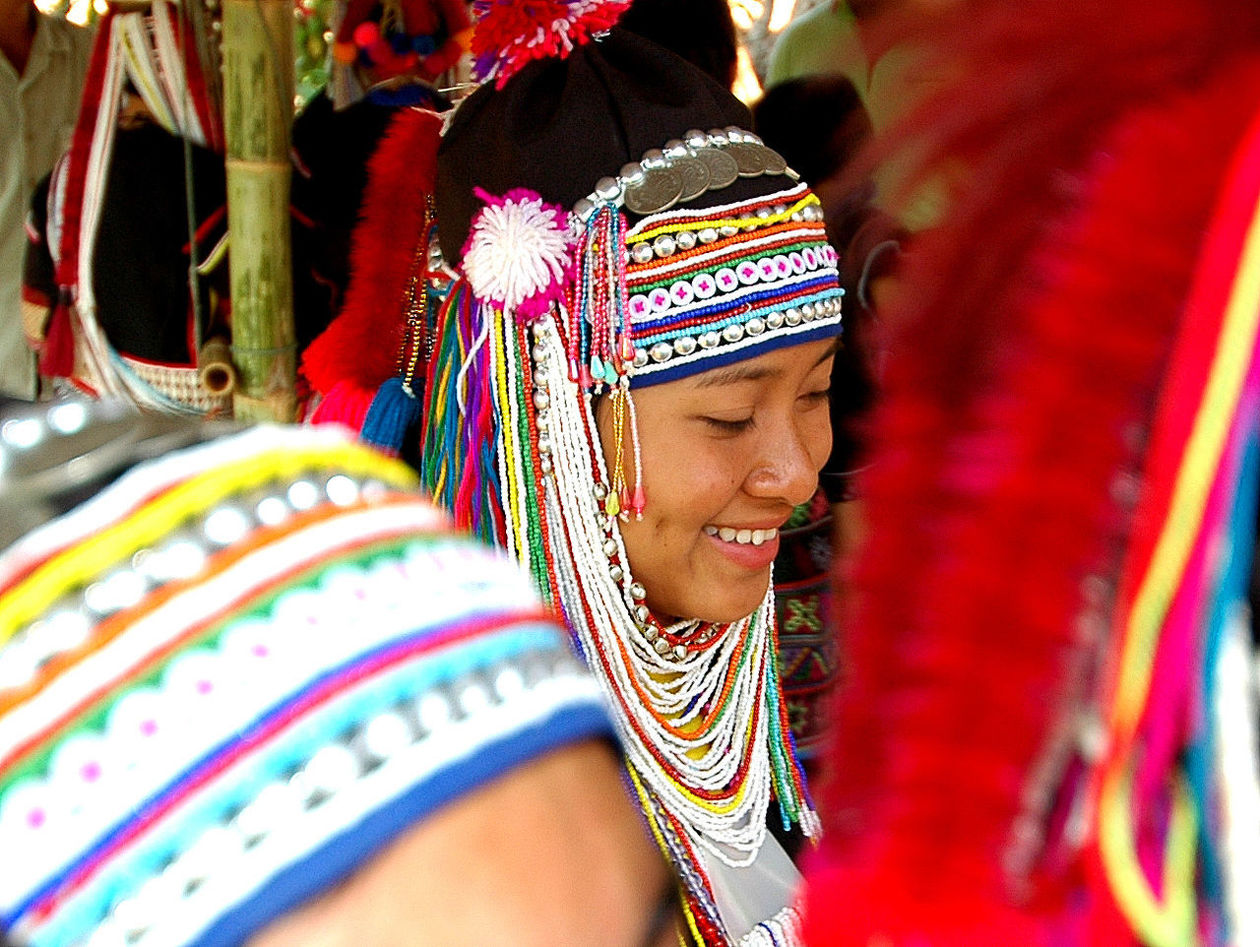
column 821, row 396
column 729, row 426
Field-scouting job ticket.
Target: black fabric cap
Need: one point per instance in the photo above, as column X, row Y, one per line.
column 558, row 126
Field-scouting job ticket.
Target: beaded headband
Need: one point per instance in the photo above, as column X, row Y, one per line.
column 238, row 672
column 681, row 291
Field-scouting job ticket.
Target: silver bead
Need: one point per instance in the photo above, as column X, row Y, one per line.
column 543, row 421
column 663, row 245
column 728, row 231
column 608, row 189
column 544, row 443
column 709, row 340
column 615, row 572
column 735, row 134
column 755, row 326
column 631, row 174
column 544, row 464
column 650, row 633
column 637, row 592
column 601, row 491
column 733, row 332
column 675, row 148
column 707, row 235
column 685, row 239
column 640, row 358
column 641, row 613
column 661, row 645
column 807, row 312
column 774, row 320
column 792, row 317
column 539, row 353
column 696, row 138
column 584, row 208
column 717, row 137
column 542, row 400
column 680, row 651
column 654, row 158
column 641, row 253
column 662, row 352
column 684, row 345
column 610, row 548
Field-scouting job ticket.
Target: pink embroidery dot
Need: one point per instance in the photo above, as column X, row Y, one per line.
column 261, row 650
column 148, row 727
column 36, row 817
column 91, row 772
column 204, row 687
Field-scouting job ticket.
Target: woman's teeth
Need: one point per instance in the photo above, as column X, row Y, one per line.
column 745, row 537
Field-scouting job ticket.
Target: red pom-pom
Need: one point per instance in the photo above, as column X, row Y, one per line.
column 365, row 34
column 512, row 33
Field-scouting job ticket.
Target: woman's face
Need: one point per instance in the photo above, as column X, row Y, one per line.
column 727, row 455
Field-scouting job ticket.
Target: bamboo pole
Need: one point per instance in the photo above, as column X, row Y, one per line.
column 258, row 108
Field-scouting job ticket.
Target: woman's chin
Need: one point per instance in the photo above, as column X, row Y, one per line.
column 725, row 605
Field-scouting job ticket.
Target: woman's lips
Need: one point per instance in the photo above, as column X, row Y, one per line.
column 749, row 548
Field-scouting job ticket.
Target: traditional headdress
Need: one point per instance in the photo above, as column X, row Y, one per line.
column 605, row 241
column 237, row 671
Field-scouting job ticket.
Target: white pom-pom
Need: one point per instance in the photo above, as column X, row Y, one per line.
column 519, row 253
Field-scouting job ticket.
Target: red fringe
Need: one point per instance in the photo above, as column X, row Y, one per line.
column 1022, row 364
column 510, row 34
column 361, row 345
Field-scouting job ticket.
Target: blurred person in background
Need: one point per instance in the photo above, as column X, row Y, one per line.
column 255, row 690
column 43, row 60
column 1047, row 729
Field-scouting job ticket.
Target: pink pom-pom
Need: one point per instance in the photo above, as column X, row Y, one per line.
column 510, row 34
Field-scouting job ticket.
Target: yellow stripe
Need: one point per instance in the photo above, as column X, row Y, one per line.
column 1173, row 923
column 85, row 561
column 1201, row 459
column 646, row 805
column 737, row 222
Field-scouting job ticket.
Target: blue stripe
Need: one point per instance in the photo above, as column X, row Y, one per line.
column 342, row 854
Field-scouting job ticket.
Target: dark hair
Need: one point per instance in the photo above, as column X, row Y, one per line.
column 699, row 31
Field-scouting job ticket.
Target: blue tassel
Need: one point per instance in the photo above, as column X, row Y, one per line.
column 394, row 412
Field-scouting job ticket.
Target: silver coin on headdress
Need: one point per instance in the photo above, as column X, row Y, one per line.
column 659, row 190
column 722, row 167
column 748, row 158
column 771, row 159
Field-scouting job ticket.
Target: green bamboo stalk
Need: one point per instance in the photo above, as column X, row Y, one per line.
column 258, row 108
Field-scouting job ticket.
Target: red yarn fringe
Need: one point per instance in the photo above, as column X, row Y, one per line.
column 510, row 34
column 1023, row 368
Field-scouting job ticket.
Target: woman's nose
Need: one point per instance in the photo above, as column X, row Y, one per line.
column 790, row 458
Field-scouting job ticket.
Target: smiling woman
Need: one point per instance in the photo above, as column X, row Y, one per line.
column 628, row 391
column 745, row 444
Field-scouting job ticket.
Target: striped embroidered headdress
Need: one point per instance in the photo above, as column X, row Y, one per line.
column 238, row 671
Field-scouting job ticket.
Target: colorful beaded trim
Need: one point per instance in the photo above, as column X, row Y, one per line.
column 704, row 286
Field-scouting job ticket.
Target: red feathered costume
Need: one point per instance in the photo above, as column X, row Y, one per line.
column 1087, row 144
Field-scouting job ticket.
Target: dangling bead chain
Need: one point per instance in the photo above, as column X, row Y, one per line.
column 697, row 725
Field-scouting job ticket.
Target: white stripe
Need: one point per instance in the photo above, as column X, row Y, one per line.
column 138, row 486
column 255, row 573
